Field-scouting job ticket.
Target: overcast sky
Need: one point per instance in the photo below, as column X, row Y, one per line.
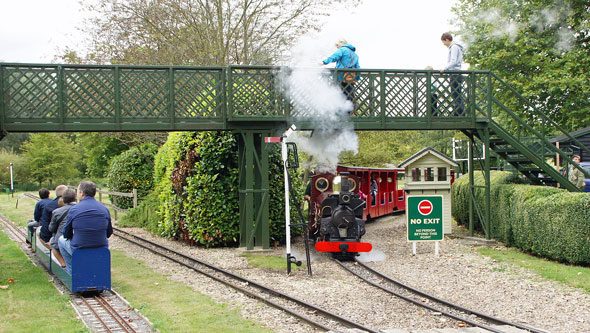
column 392, row 34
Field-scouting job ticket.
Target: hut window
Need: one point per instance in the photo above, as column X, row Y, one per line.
column 429, row 174
column 442, row 174
column 416, row 174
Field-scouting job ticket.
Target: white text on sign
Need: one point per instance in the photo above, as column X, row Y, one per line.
column 424, row 221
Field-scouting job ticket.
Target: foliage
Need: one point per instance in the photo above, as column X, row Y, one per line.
column 145, row 215
column 99, row 149
column 386, row 148
column 13, row 141
column 133, row 169
column 539, row 46
column 542, row 220
column 51, row 158
column 192, row 32
column 196, row 177
column 19, row 169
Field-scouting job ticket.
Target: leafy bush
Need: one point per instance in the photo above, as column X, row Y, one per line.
column 544, row 221
column 196, row 177
column 132, row 169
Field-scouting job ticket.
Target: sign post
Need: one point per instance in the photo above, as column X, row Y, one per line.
column 424, row 219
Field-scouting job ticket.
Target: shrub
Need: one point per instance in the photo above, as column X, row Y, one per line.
column 132, row 169
column 197, row 180
column 544, row 221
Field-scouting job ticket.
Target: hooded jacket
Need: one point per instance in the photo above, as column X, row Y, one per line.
column 344, row 57
column 455, row 57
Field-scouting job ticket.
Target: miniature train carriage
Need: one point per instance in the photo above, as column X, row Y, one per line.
column 91, row 268
column 429, row 172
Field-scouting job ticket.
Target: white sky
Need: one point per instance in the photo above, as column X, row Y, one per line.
column 395, row 34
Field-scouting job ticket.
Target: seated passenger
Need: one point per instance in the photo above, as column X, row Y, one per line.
column 34, row 223
column 88, row 225
column 58, row 222
column 45, row 234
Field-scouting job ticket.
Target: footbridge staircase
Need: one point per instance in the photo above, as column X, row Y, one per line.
column 251, row 101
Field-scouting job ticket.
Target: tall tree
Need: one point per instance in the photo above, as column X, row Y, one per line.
column 51, row 158
column 539, row 46
column 199, row 32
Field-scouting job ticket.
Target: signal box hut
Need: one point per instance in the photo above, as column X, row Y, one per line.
column 429, row 172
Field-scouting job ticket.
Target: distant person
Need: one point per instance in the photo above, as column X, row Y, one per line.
column 374, row 188
column 576, row 176
column 345, row 57
column 454, row 60
column 88, row 225
column 58, row 222
column 45, row 234
column 433, row 95
column 34, row 223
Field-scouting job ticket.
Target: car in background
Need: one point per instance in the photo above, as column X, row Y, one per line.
column 586, row 166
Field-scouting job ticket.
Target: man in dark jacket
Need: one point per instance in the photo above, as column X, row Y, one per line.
column 58, row 222
column 88, row 225
column 45, row 234
column 34, row 223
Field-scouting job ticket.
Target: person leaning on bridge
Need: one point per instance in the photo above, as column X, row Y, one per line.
column 576, row 176
column 454, row 60
column 88, row 225
column 345, row 57
column 45, row 234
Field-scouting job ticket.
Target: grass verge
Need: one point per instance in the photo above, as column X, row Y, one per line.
column 20, row 214
column 28, row 300
column 172, row 306
column 573, row 276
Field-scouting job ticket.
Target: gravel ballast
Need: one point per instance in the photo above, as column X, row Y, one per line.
column 458, row 274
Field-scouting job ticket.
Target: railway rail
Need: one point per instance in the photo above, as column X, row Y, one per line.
column 446, row 308
column 322, row 319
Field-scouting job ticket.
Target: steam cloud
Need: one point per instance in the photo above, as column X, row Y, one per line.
column 316, row 98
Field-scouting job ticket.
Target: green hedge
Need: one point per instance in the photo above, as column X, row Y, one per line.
column 196, row 177
column 544, row 221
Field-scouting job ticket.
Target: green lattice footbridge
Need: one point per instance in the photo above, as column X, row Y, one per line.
column 250, row 101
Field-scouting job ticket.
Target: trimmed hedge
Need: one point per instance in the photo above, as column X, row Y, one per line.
column 196, row 176
column 544, row 221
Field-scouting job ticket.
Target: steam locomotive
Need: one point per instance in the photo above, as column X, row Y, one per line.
column 339, row 207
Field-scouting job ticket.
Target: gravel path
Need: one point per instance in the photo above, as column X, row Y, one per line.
column 458, row 274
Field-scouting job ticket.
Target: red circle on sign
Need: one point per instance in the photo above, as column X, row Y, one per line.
column 425, row 207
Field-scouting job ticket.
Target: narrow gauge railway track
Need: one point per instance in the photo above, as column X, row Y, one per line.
column 446, row 308
column 248, row 287
column 105, row 316
column 13, row 230
column 100, row 313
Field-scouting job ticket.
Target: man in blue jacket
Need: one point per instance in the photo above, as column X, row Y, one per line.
column 345, row 57
column 88, row 225
column 45, row 234
column 34, row 223
column 454, row 60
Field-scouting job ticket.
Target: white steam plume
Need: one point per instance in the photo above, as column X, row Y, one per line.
column 316, row 98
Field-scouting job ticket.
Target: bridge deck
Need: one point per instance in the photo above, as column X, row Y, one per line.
column 53, row 97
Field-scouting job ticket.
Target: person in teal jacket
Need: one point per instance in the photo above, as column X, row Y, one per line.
column 345, row 57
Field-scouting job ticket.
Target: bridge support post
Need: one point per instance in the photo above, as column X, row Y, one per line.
column 254, row 189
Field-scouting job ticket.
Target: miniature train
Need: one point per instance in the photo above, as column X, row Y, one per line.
column 91, row 268
column 340, row 205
